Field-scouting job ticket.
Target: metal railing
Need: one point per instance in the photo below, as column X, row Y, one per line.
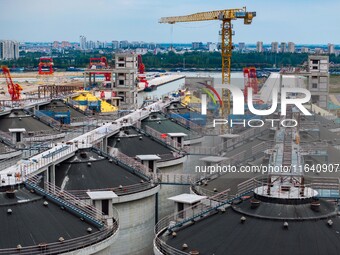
column 199, row 150
column 119, row 191
column 47, row 119
column 172, row 178
column 65, row 198
column 204, row 208
column 163, row 138
column 6, row 138
column 316, row 183
column 64, row 246
column 18, row 173
column 40, row 135
column 187, row 123
column 23, row 102
column 134, row 164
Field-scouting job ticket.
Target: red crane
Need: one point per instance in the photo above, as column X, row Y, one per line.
column 46, row 66
column 141, row 72
column 13, row 89
column 100, row 63
column 250, row 81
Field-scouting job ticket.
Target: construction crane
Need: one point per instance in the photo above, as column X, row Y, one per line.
column 100, row 63
column 46, row 66
column 250, row 81
column 141, row 72
column 226, row 16
column 13, row 89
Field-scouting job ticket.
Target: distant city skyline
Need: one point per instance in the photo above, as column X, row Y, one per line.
column 302, row 22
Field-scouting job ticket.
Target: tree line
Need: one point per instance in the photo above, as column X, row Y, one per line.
column 196, row 59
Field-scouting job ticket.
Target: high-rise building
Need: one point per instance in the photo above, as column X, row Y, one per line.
column 9, row 49
column 241, row 46
column 259, row 46
column 115, row 45
column 318, row 51
column 283, row 47
column 197, row 45
column 212, row 46
column 83, row 45
column 304, row 50
column 124, row 44
column 275, row 47
column 90, row 45
column 331, row 49
column 291, row 47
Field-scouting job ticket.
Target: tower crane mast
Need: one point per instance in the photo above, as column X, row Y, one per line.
column 226, row 17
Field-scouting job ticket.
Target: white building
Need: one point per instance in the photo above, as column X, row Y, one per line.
column 259, row 46
column 241, row 46
column 283, row 47
column 115, row 45
column 291, row 47
column 331, row 49
column 83, row 42
column 275, row 47
column 304, row 50
column 212, row 46
column 9, row 49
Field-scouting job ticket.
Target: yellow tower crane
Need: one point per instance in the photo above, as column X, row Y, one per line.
column 226, row 16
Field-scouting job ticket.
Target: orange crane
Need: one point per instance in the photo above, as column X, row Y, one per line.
column 46, row 66
column 13, row 89
column 250, row 81
column 141, row 72
column 100, row 63
column 225, row 16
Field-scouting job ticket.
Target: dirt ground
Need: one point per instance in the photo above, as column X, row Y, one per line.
column 31, row 81
column 334, row 83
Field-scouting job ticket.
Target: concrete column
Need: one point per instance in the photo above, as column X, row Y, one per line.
column 104, row 144
column 51, row 174
column 46, row 177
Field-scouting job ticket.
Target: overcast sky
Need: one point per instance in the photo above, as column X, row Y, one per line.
column 300, row 21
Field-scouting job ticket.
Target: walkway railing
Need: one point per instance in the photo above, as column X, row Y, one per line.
column 89, row 139
column 19, row 172
column 76, row 206
column 163, row 137
column 68, row 200
column 193, row 126
column 172, row 178
column 205, row 208
column 134, row 164
column 119, row 191
column 65, row 246
column 47, row 119
column 6, row 138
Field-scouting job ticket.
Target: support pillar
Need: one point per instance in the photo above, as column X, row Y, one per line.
column 104, row 144
column 46, row 178
column 51, row 174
